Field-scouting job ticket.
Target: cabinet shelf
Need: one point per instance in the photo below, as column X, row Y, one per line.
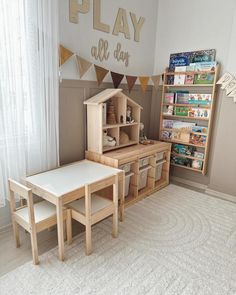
column 111, row 148
column 186, row 167
column 197, row 133
column 187, row 157
column 188, row 85
column 185, row 117
column 190, row 73
column 184, row 143
column 110, row 126
column 187, row 105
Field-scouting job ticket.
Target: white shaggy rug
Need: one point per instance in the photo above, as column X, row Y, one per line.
column 175, row 242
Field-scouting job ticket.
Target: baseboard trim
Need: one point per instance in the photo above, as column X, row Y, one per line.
column 189, row 182
column 220, row 195
column 5, row 227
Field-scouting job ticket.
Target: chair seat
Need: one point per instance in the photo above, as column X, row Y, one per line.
column 42, row 210
column 97, row 203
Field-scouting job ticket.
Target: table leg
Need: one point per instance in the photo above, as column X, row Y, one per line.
column 122, row 197
column 60, row 229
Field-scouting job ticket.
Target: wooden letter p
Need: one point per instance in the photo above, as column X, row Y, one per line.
column 76, row 8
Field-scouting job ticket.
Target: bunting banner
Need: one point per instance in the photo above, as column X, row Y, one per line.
column 131, row 81
column 156, row 81
column 65, row 54
column 83, row 65
column 100, row 73
column 144, row 82
column 116, row 78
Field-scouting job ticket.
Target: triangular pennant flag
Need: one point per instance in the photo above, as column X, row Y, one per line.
column 83, row 65
column 116, row 78
column 156, row 81
column 65, row 54
column 131, row 81
column 100, row 73
column 144, row 82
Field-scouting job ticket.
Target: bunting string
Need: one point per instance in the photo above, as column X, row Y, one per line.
column 84, row 65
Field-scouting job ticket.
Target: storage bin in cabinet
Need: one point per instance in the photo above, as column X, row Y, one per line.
column 143, row 162
column 127, row 182
column 160, row 156
column 143, row 179
column 126, row 167
column 158, row 172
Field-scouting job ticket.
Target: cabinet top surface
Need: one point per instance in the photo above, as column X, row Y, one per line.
column 138, row 149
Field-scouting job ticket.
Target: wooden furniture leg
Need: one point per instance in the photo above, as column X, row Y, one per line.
column 122, row 198
column 34, row 244
column 68, row 226
column 88, row 225
column 60, row 230
column 115, row 214
column 16, row 233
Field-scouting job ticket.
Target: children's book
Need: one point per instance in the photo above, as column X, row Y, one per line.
column 181, row 111
column 169, row 98
column 181, row 124
column 206, row 78
column 166, row 135
column 198, row 139
column 179, row 79
column 189, row 78
column 199, row 113
column 201, row 99
column 183, row 149
column 202, row 56
column 200, row 129
column 168, row 124
column 198, row 155
column 181, row 98
column 197, row 164
column 168, row 110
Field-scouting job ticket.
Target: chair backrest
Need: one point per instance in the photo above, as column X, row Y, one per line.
column 24, row 192
column 104, row 183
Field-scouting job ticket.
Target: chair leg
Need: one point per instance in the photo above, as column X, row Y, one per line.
column 69, row 226
column 88, row 230
column 34, row 246
column 115, row 224
column 16, row 233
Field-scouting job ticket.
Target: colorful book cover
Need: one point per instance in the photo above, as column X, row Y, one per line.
column 198, row 155
column 166, row 135
column 179, row 79
column 181, row 111
column 189, row 79
column 181, row 125
column 182, row 98
column 181, row 161
column 198, row 139
column 202, row 56
column 168, row 124
column 197, row 164
column 199, row 113
column 183, row 149
column 201, row 99
column 206, row 78
column 168, row 110
column 169, row 98
column 200, row 129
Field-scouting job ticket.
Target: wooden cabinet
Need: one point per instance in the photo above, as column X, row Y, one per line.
column 97, row 109
column 146, row 167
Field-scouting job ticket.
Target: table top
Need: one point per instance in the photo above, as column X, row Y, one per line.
column 68, row 178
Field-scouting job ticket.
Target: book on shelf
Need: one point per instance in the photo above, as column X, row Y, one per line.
column 181, row 111
column 181, row 134
column 179, row 79
column 189, row 78
column 197, row 164
column 168, row 110
column 181, row 161
column 202, row 56
column 201, row 99
column 200, row 129
column 199, row 113
column 182, row 149
column 169, row 97
column 181, row 97
column 167, row 124
column 181, row 124
column 198, row 155
column 166, row 135
column 197, row 139
column 206, row 78
column 104, row 113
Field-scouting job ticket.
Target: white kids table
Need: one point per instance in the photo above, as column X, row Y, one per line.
column 67, row 183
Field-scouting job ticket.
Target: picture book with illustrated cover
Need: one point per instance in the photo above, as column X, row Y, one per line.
column 181, row 111
column 168, row 124
column 181, row 98
column 185, row 58
column 168, row 110
column 199, row 113
column 200, row 129
column 197, row 164
column 181, row 124
column 183, row 149
column 206, row 78
column 197, row 139
column 169, row 97
column 179, row 79
column 198, row 155
column 201, row 99
column 181, row 161
column 189, row 78
column 166, row 135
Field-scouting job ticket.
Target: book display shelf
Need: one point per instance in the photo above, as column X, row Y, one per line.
column 186, row 118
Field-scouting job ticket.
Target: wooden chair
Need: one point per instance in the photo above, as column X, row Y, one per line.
column 32, row 217
column 93, row 208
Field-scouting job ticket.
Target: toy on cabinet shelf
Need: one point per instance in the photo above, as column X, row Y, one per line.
column 129, row 118
column 111, row 115
column 108, row 140
column 124, row 137
column 142, row 135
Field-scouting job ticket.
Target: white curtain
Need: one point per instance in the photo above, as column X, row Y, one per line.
column 28, row 88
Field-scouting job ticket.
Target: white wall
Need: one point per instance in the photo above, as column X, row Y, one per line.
column 81, row 37
column 191, row 25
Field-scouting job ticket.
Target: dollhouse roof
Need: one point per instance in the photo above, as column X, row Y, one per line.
column 107, row 94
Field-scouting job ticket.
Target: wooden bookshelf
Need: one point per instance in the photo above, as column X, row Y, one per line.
column 207, row 122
